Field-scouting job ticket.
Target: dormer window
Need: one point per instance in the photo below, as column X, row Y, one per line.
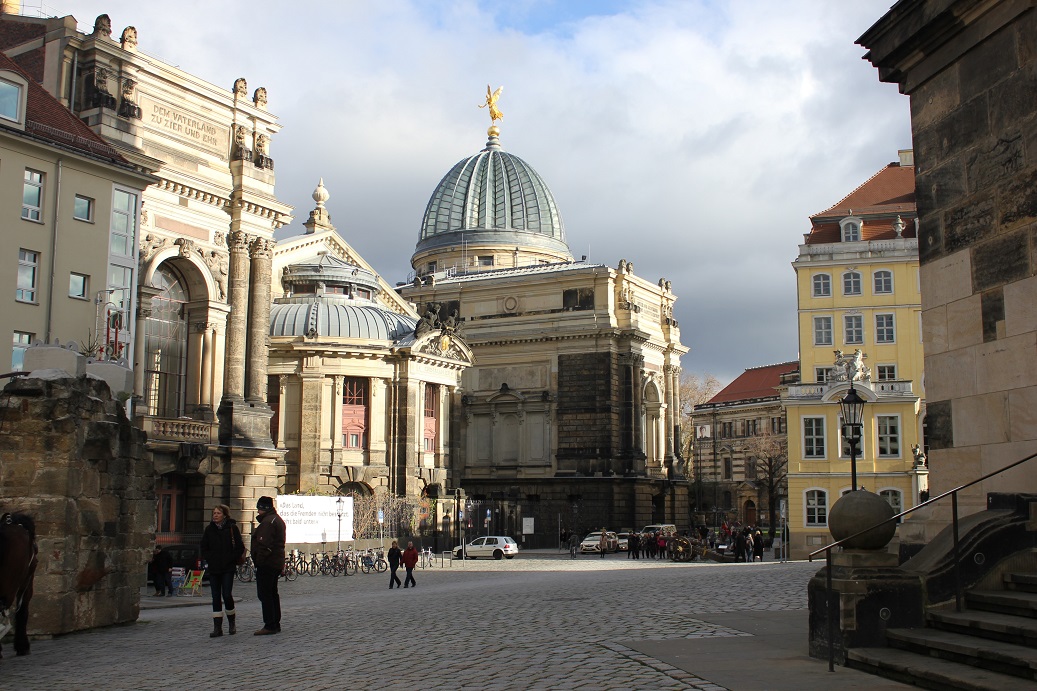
column 13, row 91
column 851, row 229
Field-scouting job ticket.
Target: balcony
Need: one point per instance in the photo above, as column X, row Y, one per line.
column 883, row 389
column 181, row 430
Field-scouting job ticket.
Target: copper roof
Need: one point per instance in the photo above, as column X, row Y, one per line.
column 46, row 118
column 755, row 382
column 885, row 195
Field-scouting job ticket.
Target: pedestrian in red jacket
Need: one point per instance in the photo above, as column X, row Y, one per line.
column 410, row 560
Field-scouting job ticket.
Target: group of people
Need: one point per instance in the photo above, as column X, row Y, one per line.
column 409, row 558
column 647, row 545
column 748, row 544
column 222, row 550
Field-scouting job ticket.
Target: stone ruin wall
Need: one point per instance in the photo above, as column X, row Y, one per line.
column 70, row 457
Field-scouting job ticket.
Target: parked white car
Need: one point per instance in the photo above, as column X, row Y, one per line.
column 496, row 546
column 592, row 543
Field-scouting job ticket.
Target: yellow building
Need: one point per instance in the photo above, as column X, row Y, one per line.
column 859, row 325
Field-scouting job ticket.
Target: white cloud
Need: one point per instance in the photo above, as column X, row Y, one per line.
column 693, row 138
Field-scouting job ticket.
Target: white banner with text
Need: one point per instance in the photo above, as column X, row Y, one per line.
column 316, row 519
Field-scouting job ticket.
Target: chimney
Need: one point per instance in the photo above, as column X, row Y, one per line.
column 907, row 157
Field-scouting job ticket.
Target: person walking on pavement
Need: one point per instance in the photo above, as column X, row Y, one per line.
column 162, row 571
column 221, row 548
column 633, row 544
column 268, row 555
column 603, row 543
column 395, row 555
column 410, row 560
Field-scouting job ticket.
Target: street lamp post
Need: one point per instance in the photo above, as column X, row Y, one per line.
column 338, row 504
column 852, row 406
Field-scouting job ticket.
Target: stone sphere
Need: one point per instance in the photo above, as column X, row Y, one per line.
column 857, row 511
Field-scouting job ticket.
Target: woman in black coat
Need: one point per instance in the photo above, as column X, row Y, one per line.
column 221, row 549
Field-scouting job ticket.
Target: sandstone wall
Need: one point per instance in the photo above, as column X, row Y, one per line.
column 71, row 459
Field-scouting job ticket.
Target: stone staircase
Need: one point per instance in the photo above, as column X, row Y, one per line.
column 990, row 645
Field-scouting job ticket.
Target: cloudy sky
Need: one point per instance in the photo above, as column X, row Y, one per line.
column 692, row 137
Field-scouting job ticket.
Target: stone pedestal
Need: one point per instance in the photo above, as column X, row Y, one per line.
column 244, row 475
column 245, row 424
column 870, row 593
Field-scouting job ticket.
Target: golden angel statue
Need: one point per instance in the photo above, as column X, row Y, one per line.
column 491, row 103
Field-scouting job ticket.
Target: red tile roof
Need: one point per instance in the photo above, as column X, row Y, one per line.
column 884, row 196
column 755, row 382
column 46, row 118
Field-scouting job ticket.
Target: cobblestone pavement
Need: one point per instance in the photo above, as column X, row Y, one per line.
column 539, row 621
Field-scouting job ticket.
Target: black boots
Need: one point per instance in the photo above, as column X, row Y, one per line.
column 231, row 628
column 217, row 627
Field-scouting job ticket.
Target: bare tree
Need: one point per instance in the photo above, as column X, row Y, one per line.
column 694, row 389
column 398, row 514
column 768, row 454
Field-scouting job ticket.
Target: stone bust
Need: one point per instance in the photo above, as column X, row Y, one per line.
column 240, row 88
column 259, row 98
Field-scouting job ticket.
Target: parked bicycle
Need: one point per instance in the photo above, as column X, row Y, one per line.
column 246, row 572
column 369, row 561
column 426, row 557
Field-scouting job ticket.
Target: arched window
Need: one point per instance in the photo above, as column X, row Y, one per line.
column 852, row 283
column 851, row 229
column 431, row 417
column 883, row 281
column 165, row 346
column 354, row 413
column 816, row 507
column 822, row 286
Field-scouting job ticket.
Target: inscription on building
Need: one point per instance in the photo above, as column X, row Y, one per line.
column 184, row 124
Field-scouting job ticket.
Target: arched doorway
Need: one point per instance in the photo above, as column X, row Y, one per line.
column 165, row 346
column 749, row 512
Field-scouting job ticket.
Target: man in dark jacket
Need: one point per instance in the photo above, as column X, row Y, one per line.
column 162, row 571
column 268, row 555
column 395, row 555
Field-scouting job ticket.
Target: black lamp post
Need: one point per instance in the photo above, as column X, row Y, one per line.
column 338, row 504
column 852, row 406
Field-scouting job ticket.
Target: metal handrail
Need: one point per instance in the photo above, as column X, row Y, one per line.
column 954, row 523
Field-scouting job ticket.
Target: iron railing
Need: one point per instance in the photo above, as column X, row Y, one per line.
column 958, row 592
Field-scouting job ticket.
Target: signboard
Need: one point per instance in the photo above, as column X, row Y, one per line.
column 527, row 526
column 315, row 519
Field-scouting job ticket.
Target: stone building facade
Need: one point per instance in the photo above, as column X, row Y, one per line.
column 197, row 293
column 362, row 396
column 571, row 406
column 740, row 452
column 969, row 67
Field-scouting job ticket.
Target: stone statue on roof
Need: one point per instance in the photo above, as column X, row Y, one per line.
column 103, row 26
column 491, row 103
column 129, row 38
column 259, row 98
column 240, row 88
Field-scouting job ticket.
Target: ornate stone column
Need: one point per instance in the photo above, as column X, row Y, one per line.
column 282, row 382
column 205, row 393
column 257, row 352
column 237, row 321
